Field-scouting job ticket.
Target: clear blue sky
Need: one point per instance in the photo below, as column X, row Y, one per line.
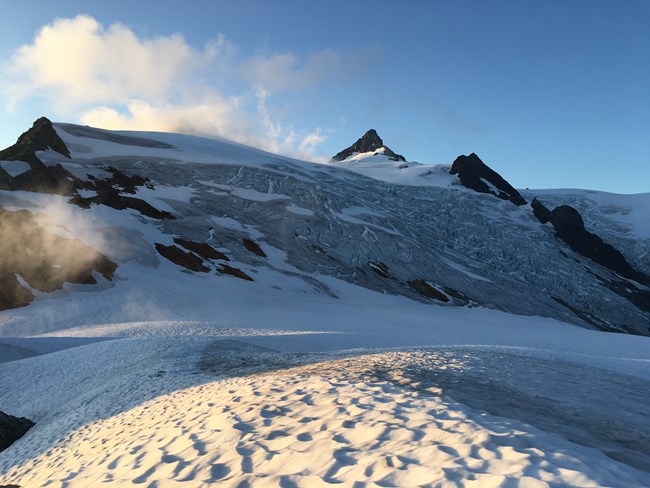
column 551, row 94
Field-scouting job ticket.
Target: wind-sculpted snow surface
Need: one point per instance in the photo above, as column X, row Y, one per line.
column 201, row 412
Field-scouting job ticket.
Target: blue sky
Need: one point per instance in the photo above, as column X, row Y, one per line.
column 551, row 94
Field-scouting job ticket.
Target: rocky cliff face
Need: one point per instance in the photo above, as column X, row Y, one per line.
column 476, row 175
column 369, row 142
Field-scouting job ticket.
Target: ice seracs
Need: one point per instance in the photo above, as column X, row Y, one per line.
column 147, row 201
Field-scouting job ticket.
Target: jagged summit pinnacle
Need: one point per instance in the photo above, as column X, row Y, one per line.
column 40, row 137
column 369, row 142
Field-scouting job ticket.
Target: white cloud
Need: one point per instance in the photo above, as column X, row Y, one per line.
column 79, row 62
column 111, row 78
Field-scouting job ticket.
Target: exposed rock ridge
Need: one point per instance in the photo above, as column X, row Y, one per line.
column 369, row 142
column 40, row 137
column 570, row 228
column 476, row 175
column 39, row 178
column 110, row 193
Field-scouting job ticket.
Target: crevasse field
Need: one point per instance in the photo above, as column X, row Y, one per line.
column 169, row 378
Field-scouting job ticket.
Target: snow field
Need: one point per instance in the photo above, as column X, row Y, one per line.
column 302, row 430
column 335, row 422
column 181, row 409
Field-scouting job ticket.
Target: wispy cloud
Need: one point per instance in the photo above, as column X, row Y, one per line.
column 109, row 77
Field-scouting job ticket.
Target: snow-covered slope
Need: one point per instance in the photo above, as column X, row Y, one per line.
column 378, row 166
column 197, row 411
column 477, row 300
column 440, row 243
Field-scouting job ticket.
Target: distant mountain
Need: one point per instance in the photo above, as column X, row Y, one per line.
column 370, row 142
column 124, row 226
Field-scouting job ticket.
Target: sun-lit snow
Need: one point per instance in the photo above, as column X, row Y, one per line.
column 381, row 167
column 165, row 377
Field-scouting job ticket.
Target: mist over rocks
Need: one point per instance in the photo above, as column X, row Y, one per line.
column 369, row 142
column 31, row 258
column 476, row 175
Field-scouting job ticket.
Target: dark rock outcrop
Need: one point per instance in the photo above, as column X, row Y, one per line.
column 47, row 179
column 12, row 428
column 40, row 178
column 112, row 198
column 369, row 142
column 40, row 137
column 206, row 251
column 476, row 175
column 237, row 273
column 542, row 213
column 379, row 268
column 109, row 192
column 570, row 228
column 43, row 261
column 426, row 290
column 187, row 260
column 253, row 247
column 12, row 293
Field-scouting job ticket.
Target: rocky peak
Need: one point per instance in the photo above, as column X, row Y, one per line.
column 478, row 176
column 369, row 142
column 40, row 137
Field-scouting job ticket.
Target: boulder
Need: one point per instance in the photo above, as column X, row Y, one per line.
column 12, row 428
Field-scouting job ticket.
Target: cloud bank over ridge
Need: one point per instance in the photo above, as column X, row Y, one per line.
column 111, row 78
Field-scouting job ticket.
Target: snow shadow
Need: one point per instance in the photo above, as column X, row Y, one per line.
column 587, row 405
